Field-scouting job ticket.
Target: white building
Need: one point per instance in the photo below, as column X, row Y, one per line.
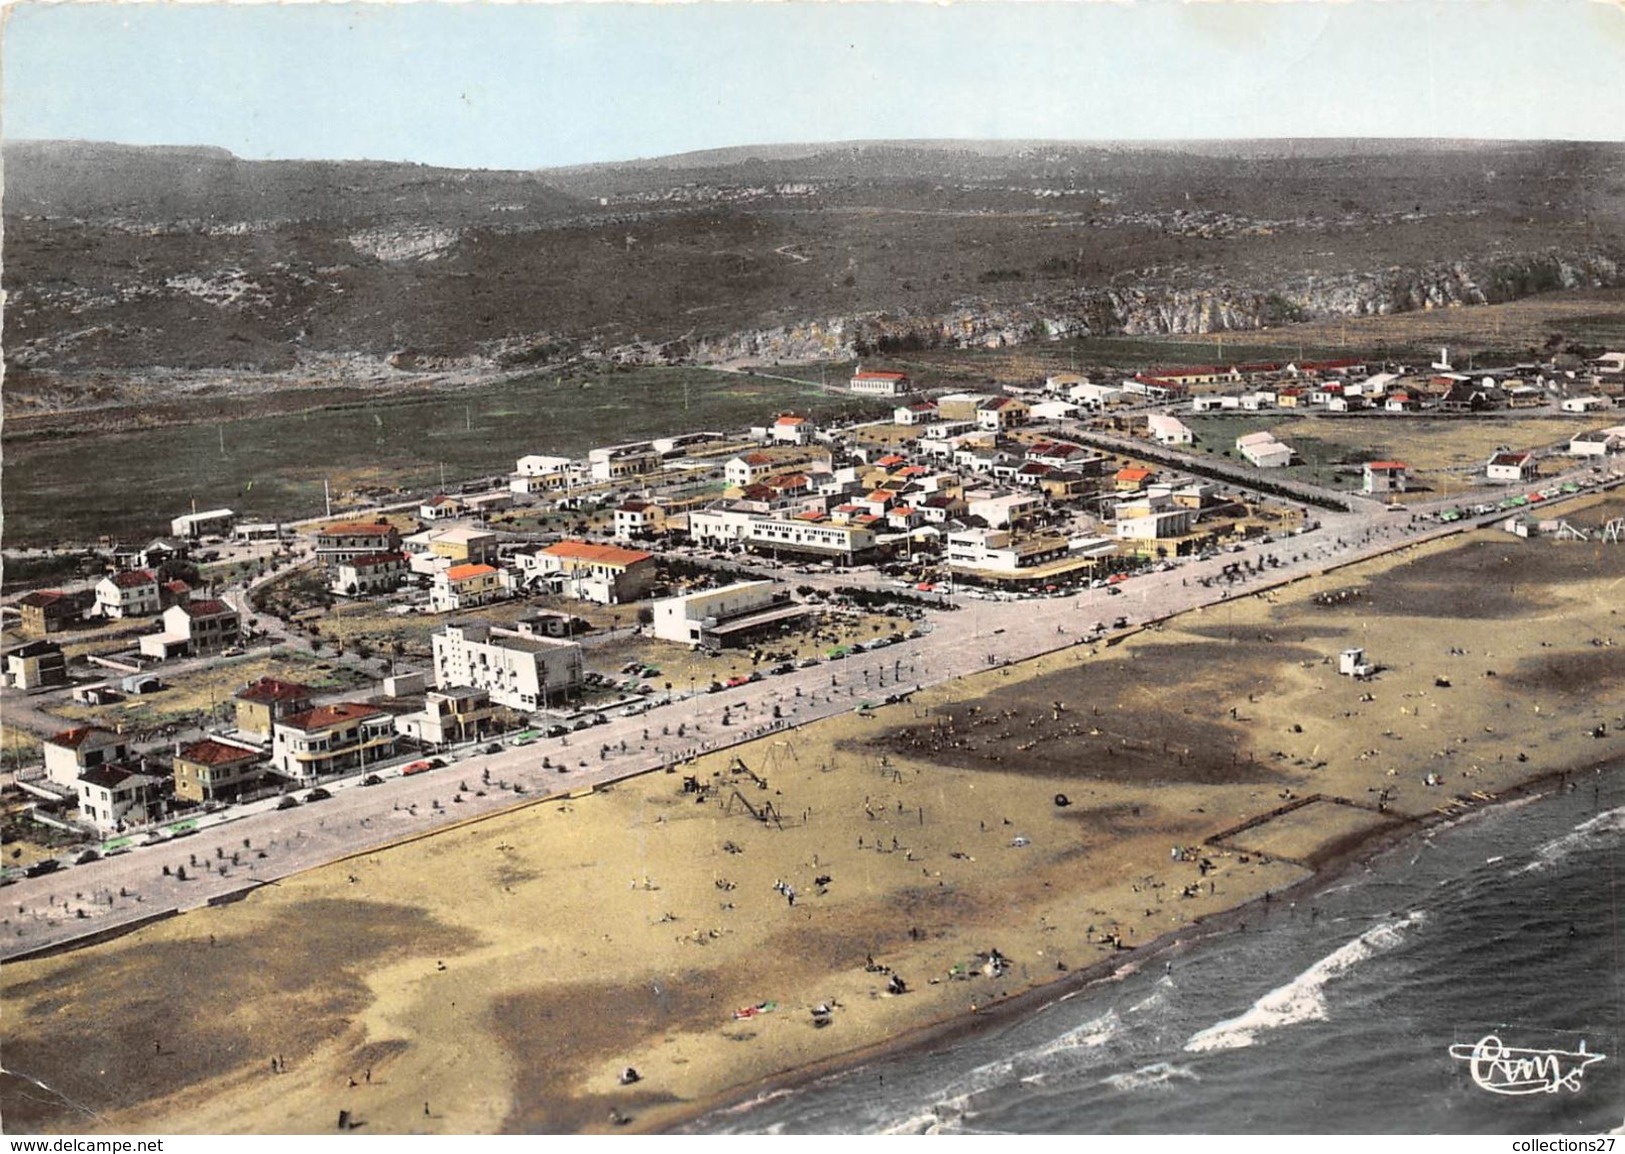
column 1166, row 430
column 1175, row 522
column 1384, row 477
column 1583, row 404
column 214, row 523
column 519, row 671
column 369, row 575
column 1007, row 509
column 112, row 797
column 1263, row 451
column 1598, row 443
column 133, row 593
column 714, row 617
column 874, row 383
column 69, row 754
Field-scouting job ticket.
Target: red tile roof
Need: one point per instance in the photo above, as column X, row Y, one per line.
column 324, row 716
column 357, row 529
column 1387, row 466
column 601, row 554
column 374, row 560
column 41, row 598
column 74, row 738
column 207, row 608
column 467, row 572
column 131, row 578
column 268, row 690
column 211, row 752
column 876, row 375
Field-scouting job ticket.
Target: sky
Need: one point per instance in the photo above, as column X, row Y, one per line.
column 532, row 85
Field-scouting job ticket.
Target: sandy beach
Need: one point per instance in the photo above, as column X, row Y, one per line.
column 501, row 976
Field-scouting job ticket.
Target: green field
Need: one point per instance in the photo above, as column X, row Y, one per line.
column 128, row 485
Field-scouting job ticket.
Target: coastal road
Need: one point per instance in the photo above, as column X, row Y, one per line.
column 270, row 844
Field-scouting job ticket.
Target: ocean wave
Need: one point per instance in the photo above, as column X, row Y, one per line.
column 1588, row 833
column 1303, row 998
column 1156, row 1074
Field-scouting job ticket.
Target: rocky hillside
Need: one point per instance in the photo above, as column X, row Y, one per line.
column 122, row 261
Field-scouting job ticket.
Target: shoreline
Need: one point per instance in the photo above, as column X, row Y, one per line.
column 1002, row 1013
column 697, row 1064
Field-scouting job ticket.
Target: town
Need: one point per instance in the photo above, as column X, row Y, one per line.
column 237, row 667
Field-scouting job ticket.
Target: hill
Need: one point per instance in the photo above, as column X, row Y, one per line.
column 122, row 262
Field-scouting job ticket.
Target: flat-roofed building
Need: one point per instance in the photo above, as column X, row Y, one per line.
column 213, row 523
column 36, row 665
column 519, row 671
column 717, row 618
column 347, row 540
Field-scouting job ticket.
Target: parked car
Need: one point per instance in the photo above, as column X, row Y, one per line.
column 317, row 794
column 372, row 779
column 288, row 801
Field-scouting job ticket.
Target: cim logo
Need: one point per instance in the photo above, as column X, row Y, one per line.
column 1503, row 1069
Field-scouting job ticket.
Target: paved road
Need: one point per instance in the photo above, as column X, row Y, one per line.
column 270, row 844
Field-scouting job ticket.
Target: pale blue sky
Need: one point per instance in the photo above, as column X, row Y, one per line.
column 533, row 85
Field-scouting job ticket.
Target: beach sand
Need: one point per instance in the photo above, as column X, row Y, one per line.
column 500, row 976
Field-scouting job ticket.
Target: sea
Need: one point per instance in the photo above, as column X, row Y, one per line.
column 1357, row 1010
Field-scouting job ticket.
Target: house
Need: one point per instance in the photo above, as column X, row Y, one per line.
column 456, row 713
column 731, row 615
column 114, row 797
column 540, row 474
column 1463, row 396
column 754, row 466
column 462, row 545
column 606, row 574
column 1166, row 430
column 1006, row 509
column 49, row 611
column 619, row 462
column 636, row 519
column 999, row 413
column 1598, row 443
column 519, row 671
column 329, row 739
column 465, row 586
column 214, row 523
column 347, row 540
column 917, row 413
column 1092, row 396
column 36, row 665
column 1127, row 480
column 1611, row 363
column 442, row 508
column 193, row 628
column 790, row 429
column 215, row 770
column 1584, row 404
column 132, row 593
column 1052, row 410
column 265, row 702
column 1263, row 451
column 1384, row 477
column 1065, row 455
column 1401, row 403
column 874, row 383
column 372, row 574
column 71, row 753
column 1511, row 468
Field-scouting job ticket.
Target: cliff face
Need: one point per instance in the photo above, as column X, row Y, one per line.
column 1149, row 309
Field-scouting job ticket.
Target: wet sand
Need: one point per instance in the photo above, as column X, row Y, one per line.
column 505, row 972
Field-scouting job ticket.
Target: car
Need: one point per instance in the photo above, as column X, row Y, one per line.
column 372, row 779
column 87, row 857
column 42, row 867
column 557, row 730
column 317, row 794
column 288, row 801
